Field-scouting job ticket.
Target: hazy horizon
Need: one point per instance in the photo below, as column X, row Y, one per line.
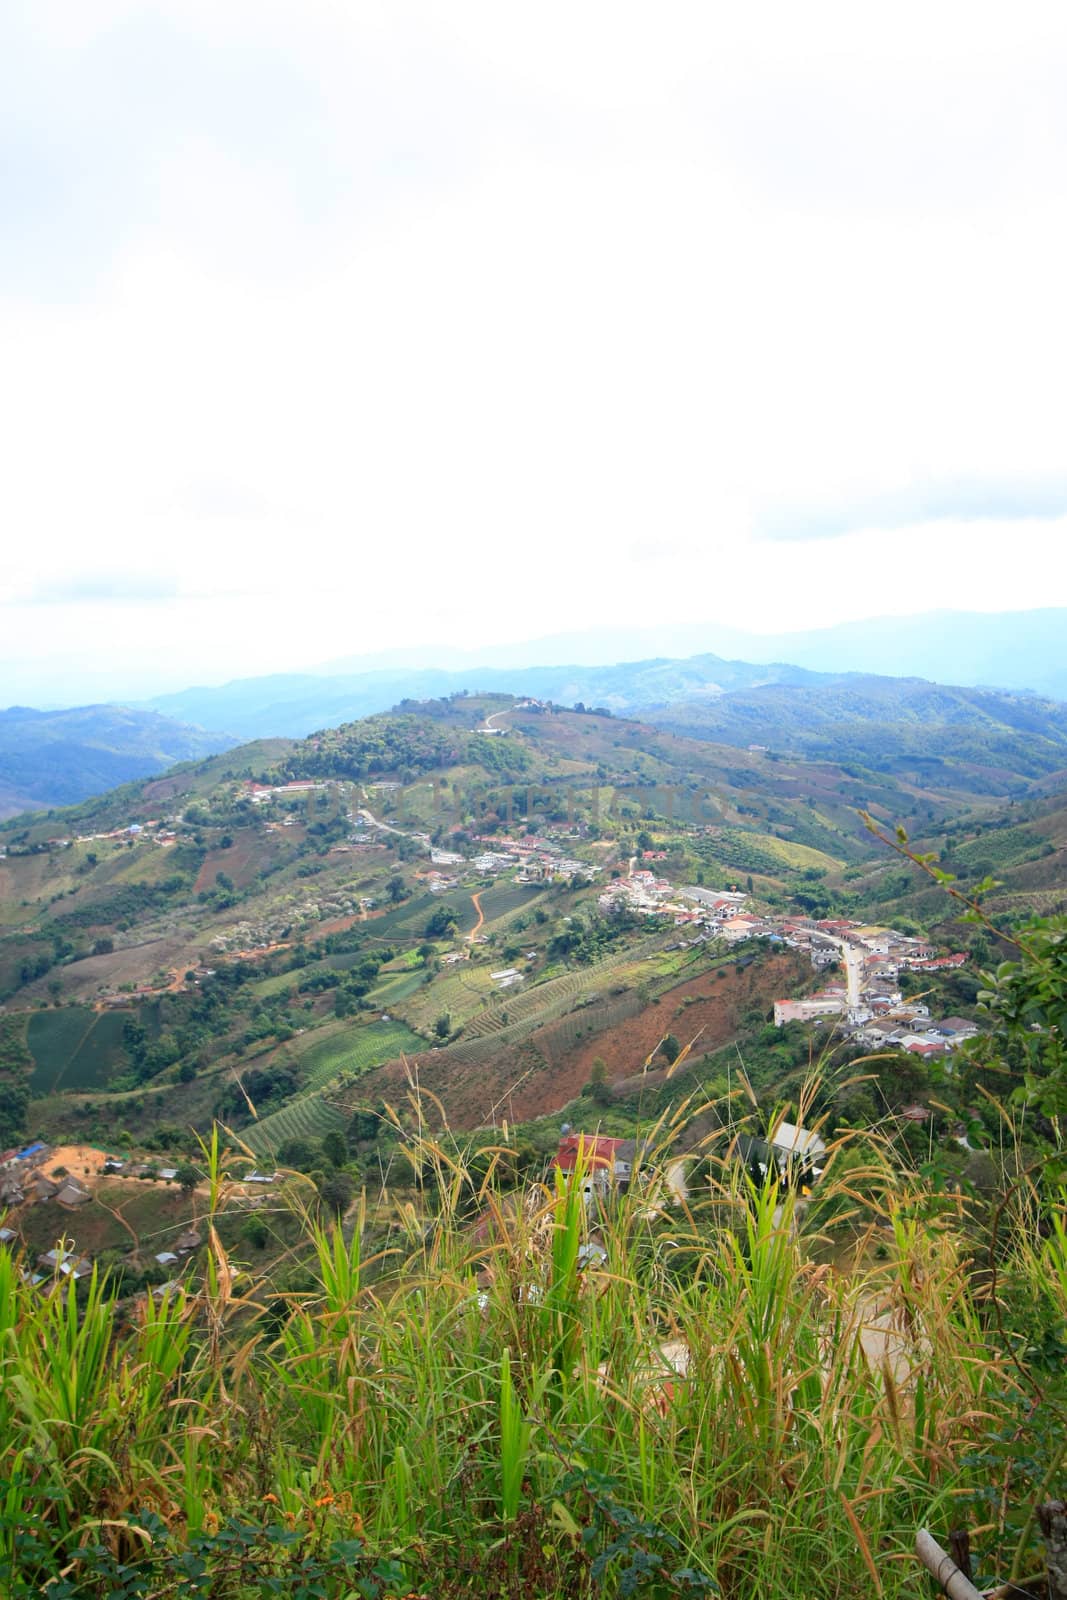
column 333, row 332
column 949, row 647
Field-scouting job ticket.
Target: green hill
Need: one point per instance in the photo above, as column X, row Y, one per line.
column 232, row 933
column 975, row 741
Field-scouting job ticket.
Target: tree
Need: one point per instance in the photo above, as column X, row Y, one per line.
column 364, row 1126
column 255, row 1232
column 1027, row 1005
column 443, row 1026
column 335, row 1147
column 14, row 1104
column 188, row 1177
column 395, row 889
column 336, row 1191
column 441, row 924
column 598, row 1088
column 300, row 1154
column 670, row 1049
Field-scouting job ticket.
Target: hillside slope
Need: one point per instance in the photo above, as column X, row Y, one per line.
column 972, row 740
column 57, row 758
column 287, row 923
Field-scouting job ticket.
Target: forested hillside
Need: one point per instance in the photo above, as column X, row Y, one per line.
column 968, row 740
column 56, row 758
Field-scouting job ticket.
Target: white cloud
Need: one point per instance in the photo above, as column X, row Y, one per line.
column 402, row 322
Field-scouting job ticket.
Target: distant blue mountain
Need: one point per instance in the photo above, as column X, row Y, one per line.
column 1009, row 650
column 1024, row 651
column 300, row 704
column 57, row 758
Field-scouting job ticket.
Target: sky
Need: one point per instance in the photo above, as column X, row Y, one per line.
column 336, row 329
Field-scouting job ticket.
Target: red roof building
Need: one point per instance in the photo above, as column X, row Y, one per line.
column 596, row 1150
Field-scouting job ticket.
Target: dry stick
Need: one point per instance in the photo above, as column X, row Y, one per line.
column 940, row 1564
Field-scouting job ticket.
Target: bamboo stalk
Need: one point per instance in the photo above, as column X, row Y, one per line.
column 940, row 1564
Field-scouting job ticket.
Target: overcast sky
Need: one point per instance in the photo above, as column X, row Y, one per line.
column 328, row 328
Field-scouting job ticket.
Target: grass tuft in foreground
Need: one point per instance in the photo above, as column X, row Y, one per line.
column 741, row 1393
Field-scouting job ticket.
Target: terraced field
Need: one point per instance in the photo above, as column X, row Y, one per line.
column 545, row 1001
column 347, row 1047
column 397, row 986
column 307, row 1118
column 539, row 1062
column 462, row 994
column 505, row 1029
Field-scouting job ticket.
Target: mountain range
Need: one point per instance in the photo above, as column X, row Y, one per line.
column 967, row 740
column 56, row 758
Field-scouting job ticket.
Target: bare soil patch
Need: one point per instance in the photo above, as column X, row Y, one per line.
column 541, row 1073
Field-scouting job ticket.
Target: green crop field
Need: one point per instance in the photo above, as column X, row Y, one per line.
column 397, row 986
column 280, row 981
column 307, row 1118
column 795, row 855
column 75, row 1048
column 100, row 1053
column 461, row 994
column 354, row 1047
column 54, row 1038
column 504, row 898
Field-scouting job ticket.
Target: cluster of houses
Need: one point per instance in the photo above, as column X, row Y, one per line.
column 23, row 1181
column 154, row 830
column 869, row 1004
column 537, row 860
column 719, row 912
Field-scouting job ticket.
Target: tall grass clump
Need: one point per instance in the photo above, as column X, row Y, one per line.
column 508, row 1392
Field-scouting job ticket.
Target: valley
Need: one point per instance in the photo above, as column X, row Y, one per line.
column 484, row 896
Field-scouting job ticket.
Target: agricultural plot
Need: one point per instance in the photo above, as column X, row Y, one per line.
column 279, row 982
column 397, row 986
column 798, row 856
column 997, row 848
column 411, row 914
column 76, row 1048
column 349, row 1048
column 545, row 1001
column 505, row 898
column 54, row 1038
column 558, row 1039
column 307, row 1118
column 462, row 994
column 242, row 861
column 539, row 1030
